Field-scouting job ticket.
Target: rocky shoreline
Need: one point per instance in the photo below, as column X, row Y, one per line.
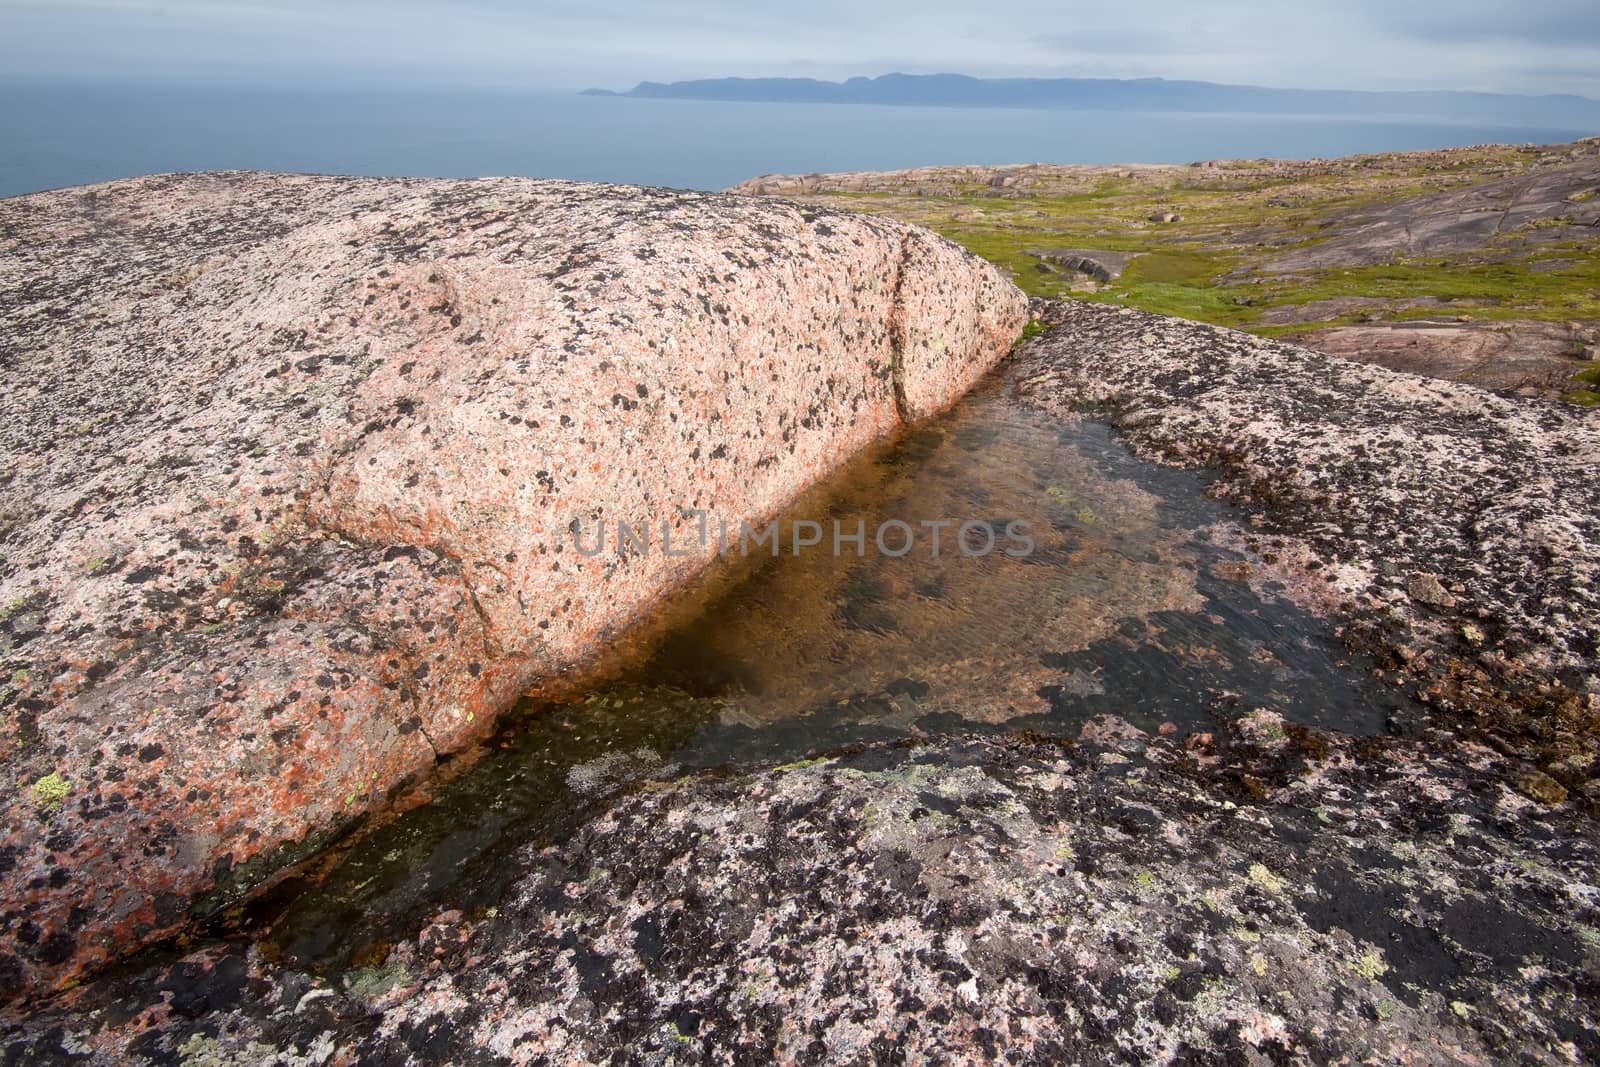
column 1468, row 264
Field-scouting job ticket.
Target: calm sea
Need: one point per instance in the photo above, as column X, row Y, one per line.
column 57, row 136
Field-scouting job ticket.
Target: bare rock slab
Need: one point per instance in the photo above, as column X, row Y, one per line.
column 965, row 901
column 1524, row 357
column 1101, row 266
column 293, row 467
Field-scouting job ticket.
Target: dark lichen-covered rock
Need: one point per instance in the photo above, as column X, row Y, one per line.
column 1012, row 900
column 1454, row 531
column 291, row 468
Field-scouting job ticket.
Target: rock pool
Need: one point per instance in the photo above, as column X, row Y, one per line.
column 1127, row 604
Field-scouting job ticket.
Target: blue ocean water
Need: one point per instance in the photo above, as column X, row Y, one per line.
column 59, row 135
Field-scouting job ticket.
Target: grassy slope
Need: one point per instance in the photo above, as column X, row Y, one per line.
column 1205, row 266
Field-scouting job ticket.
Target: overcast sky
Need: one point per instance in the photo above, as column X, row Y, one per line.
column 1532, row 46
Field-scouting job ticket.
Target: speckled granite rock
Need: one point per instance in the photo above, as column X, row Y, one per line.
column 1456, row 531
column 1287, row 898
column 1267, row 894
column 291, row 465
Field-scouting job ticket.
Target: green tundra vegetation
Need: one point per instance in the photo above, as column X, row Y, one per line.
column 1246, row 243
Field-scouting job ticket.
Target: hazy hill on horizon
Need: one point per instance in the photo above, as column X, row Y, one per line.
column 1115, row 94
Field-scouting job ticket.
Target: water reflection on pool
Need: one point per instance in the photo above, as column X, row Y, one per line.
column 1124, row 605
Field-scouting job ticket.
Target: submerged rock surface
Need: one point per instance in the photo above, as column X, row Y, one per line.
column 1455, row 530
column 293, row 469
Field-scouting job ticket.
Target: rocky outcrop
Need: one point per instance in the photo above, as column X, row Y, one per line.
column 1528, row 358
column 1284, row 898
column 1494, row 242
column 1556, row 206
column 1453, row 529
column 294, row 468
column 1269, row 892
column 1101, row 266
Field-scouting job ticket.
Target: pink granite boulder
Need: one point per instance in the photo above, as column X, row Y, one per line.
column 293, row 469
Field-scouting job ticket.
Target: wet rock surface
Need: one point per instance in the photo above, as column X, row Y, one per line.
column 1126, row 605
column 1272, row 896
column 293, row 467
column 1455, row 531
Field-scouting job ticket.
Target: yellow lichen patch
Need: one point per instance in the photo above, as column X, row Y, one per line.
column 50, row 791
column 1259, row 875
column 1371, row 964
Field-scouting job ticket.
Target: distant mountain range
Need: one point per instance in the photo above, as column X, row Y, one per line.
column 1109, row 94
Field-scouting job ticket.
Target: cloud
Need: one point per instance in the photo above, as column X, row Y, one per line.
column 1120, row 41
column 1563, row 24
column 1534, row 46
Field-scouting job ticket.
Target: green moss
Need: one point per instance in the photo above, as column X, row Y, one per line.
column 1032, row 330
column 1205, row 303
column 1176, row 268
column 799, row 764
column 1584, row 397
column 1487, row 290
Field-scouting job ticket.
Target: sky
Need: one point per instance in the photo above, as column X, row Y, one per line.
column 1527, row 46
